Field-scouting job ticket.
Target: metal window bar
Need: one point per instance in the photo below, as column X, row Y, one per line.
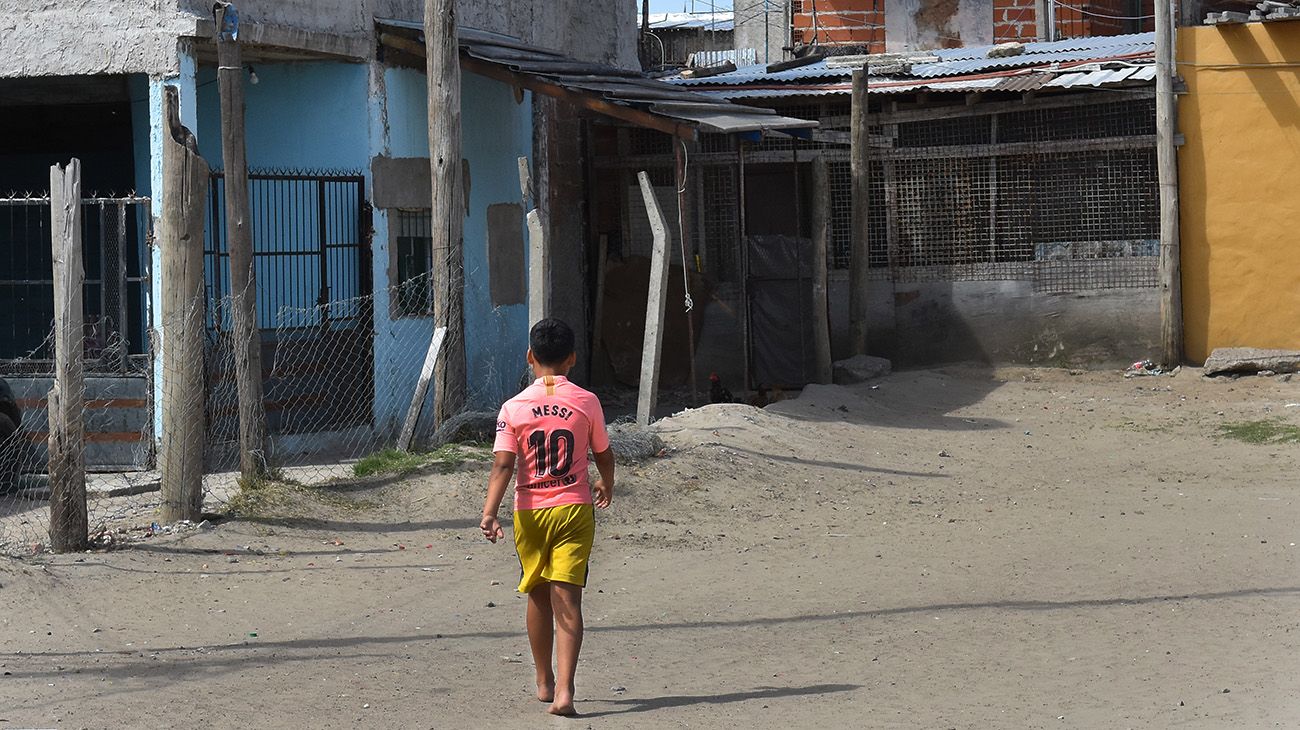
column 116, row 236
column 309, row 252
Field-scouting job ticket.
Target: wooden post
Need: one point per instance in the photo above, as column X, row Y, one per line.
column 67, row 440
column 1171, row 288
column 539, row 270
column 743, row 261
column 859, row 255
column 654, row 309
column 821, row 240
column 247, row 344
column 448, row 206
column 683, row 226
column 180, row 240
column 407, row 436
column 598, row 323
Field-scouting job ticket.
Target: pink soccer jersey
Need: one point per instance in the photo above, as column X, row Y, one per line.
column 550, row 426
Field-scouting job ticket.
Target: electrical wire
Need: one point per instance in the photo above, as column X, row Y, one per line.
column 1104, row 15
column 681, row 226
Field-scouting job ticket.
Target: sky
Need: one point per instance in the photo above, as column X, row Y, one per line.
column 675, row 6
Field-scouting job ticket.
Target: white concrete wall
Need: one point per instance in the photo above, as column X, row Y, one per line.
column 89, row 37
column 86, row 37
column 751, row 33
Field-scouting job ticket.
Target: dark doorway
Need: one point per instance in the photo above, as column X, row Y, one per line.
column 50, row 120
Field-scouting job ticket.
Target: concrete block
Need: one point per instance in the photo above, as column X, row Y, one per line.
column 1226, row 360
column 859, row 369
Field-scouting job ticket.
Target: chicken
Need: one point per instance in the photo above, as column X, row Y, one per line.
column 717, row 392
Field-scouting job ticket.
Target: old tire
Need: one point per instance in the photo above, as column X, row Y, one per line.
column 9, row 450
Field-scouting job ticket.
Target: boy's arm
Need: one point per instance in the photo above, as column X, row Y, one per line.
column 503, row 467
column 605, row 484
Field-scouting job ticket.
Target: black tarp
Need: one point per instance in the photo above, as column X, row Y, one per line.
column 780, row 307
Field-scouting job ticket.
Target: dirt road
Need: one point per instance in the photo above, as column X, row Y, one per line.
column 941, row 549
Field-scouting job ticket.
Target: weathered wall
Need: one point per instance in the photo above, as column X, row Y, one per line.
column 594, row 30
column 496, row 131
column 76, row 37
column 82, row 37
column 767, row 32
column 1009, row 322
column 920, row 24
column 1240, row 260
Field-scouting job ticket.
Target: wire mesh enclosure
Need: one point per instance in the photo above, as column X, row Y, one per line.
column 1061, row 192
column 115, row 251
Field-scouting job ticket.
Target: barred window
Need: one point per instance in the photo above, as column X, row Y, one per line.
column 414, row 252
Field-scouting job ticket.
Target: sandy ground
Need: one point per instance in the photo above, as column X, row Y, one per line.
column 943, row 548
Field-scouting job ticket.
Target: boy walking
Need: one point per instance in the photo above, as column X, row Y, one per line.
column 546, row 430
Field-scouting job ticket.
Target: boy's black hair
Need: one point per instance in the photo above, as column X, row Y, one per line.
column 551, row 341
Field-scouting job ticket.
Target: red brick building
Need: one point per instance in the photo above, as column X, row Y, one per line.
column 950, row 23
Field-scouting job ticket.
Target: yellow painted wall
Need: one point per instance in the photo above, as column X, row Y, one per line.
column 1239, row 186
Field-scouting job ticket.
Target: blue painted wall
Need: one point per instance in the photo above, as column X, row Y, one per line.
column 496, row 131
column 298, row 116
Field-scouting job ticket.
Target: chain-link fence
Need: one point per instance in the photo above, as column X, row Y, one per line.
column 340, row 360
column 335, row 398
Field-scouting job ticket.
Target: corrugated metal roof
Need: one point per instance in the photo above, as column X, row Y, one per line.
column 1104, row 77
column 622, row 93
column 818, row 70
column 954, row 61
column 1070, row 44
column 832, row 90
column 976, row 65
column 685, row 21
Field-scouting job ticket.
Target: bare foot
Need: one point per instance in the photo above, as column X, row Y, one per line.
column 563, row 704
column 546, row 691
column 563, row 709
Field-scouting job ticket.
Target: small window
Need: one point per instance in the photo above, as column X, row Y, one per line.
column 414, row 252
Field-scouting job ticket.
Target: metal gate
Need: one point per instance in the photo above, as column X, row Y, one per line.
column 311, row 257
column 117, row 354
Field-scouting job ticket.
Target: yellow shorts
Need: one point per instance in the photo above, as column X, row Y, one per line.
column 554, row 544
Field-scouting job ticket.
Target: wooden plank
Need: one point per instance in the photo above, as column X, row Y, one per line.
column 821, row 241
column 746, row 333
column 442, row 72
column 180, row 240
column 1171, row 290
column 247, row 344
column 67, row 458
column 683, row 227
column 539, row 270
column 656, row 300
column 407, row 436
column 860, row 185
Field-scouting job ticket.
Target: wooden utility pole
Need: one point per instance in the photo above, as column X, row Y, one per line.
column 859, row 255
column 180, row 239
column 239, row 244
column 1171, row 288
column 652, row 347
column 448, row 207
column 66, row 401
column 821, row 239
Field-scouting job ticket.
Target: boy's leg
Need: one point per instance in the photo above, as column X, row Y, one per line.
column 566, row 602
column 541, row 631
